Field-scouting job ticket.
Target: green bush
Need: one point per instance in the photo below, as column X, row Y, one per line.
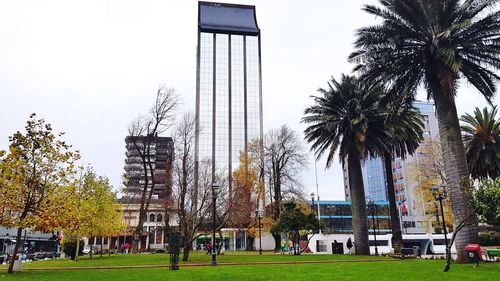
column 486, row 239
column 69, row 248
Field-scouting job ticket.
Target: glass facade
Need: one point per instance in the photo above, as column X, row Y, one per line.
column 229, row 98
column 424, row 107
column 205, row 96
column 374, row 179
column 337, row 216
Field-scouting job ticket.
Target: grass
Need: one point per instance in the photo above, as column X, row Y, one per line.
column 339, row 270
column 196, row 257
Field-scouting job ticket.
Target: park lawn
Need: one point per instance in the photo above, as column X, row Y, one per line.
column 196, row 257
column 399, row 270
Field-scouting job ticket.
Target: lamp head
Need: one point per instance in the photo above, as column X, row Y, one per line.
column 215, row 189
column 260, row 212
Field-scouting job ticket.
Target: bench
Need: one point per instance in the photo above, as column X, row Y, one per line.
column 405, row 253
column 493, row 253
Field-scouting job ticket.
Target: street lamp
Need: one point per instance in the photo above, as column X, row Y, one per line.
column 259, row 216
column 312, row 201
column 373, row 208
column 440, row 197
column 215, row 191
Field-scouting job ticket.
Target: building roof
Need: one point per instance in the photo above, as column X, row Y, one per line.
column 227, row 18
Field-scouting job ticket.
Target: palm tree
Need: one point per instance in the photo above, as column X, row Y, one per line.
column 434, row 43
column 481, row 136
column 346, row 117
column 404, row 124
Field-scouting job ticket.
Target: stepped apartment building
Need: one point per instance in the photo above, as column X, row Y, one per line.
column 161, row 155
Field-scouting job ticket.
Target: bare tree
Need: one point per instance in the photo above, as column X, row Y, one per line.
column 192, row 202
column 143, row 133
column 285, row 157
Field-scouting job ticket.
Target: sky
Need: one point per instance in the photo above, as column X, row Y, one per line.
column 90, row 67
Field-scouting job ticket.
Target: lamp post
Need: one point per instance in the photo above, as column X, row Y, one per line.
column 373, row 208
column 215, row 191
column 312, row 201
column 259, row 216
column 440, row 197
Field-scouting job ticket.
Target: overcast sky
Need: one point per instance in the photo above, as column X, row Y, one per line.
column 90, row 67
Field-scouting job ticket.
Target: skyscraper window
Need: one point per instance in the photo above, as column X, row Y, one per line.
column 229, row 95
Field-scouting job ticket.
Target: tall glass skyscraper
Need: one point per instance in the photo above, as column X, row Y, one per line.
column 229, row 88
column 374, row 179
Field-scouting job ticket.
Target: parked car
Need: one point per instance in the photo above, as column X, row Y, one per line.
column 86, row 250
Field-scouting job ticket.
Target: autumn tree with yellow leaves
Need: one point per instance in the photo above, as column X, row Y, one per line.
column 35, row 176
column 428, row 171
column 95, row 211
column 248, row 193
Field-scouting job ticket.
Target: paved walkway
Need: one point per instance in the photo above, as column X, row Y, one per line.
column 199, row 265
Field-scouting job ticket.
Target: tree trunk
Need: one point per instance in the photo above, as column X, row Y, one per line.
column 136, row 238
column 16, row 250
column 91, row 249
column 296, row 246
column 456, row 171
column 221, row 244
column 277, row 242
column 77, row 246
column 250, row 240
column 186, row 251
column 101, row 247
column 358, row 205
column 397, row 237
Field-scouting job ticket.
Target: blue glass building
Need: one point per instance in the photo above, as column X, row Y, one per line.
column 374, row 179
column 336, row 216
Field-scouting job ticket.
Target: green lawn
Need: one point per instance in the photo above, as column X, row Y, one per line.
column 196, row 257
column 339, row 270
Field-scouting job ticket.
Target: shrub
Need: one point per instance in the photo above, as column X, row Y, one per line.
column 69, row 248
column 486, row 239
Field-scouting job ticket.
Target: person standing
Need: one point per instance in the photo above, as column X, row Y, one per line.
column 127, row 247
column 283, row 246
column 335, row 247
column 290, row 247
column 209, row 248
column 349, row 245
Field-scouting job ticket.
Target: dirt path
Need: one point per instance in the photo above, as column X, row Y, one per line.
column 198, row 265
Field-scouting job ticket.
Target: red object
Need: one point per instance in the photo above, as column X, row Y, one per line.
column 474, row 248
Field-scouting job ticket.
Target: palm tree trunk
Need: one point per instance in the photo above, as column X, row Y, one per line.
column 456, row 171
column 397, row 237
column 358, row 205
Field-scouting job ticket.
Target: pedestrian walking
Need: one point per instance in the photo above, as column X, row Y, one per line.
column 209, row 248
column 290, row 247
column 349, row 245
